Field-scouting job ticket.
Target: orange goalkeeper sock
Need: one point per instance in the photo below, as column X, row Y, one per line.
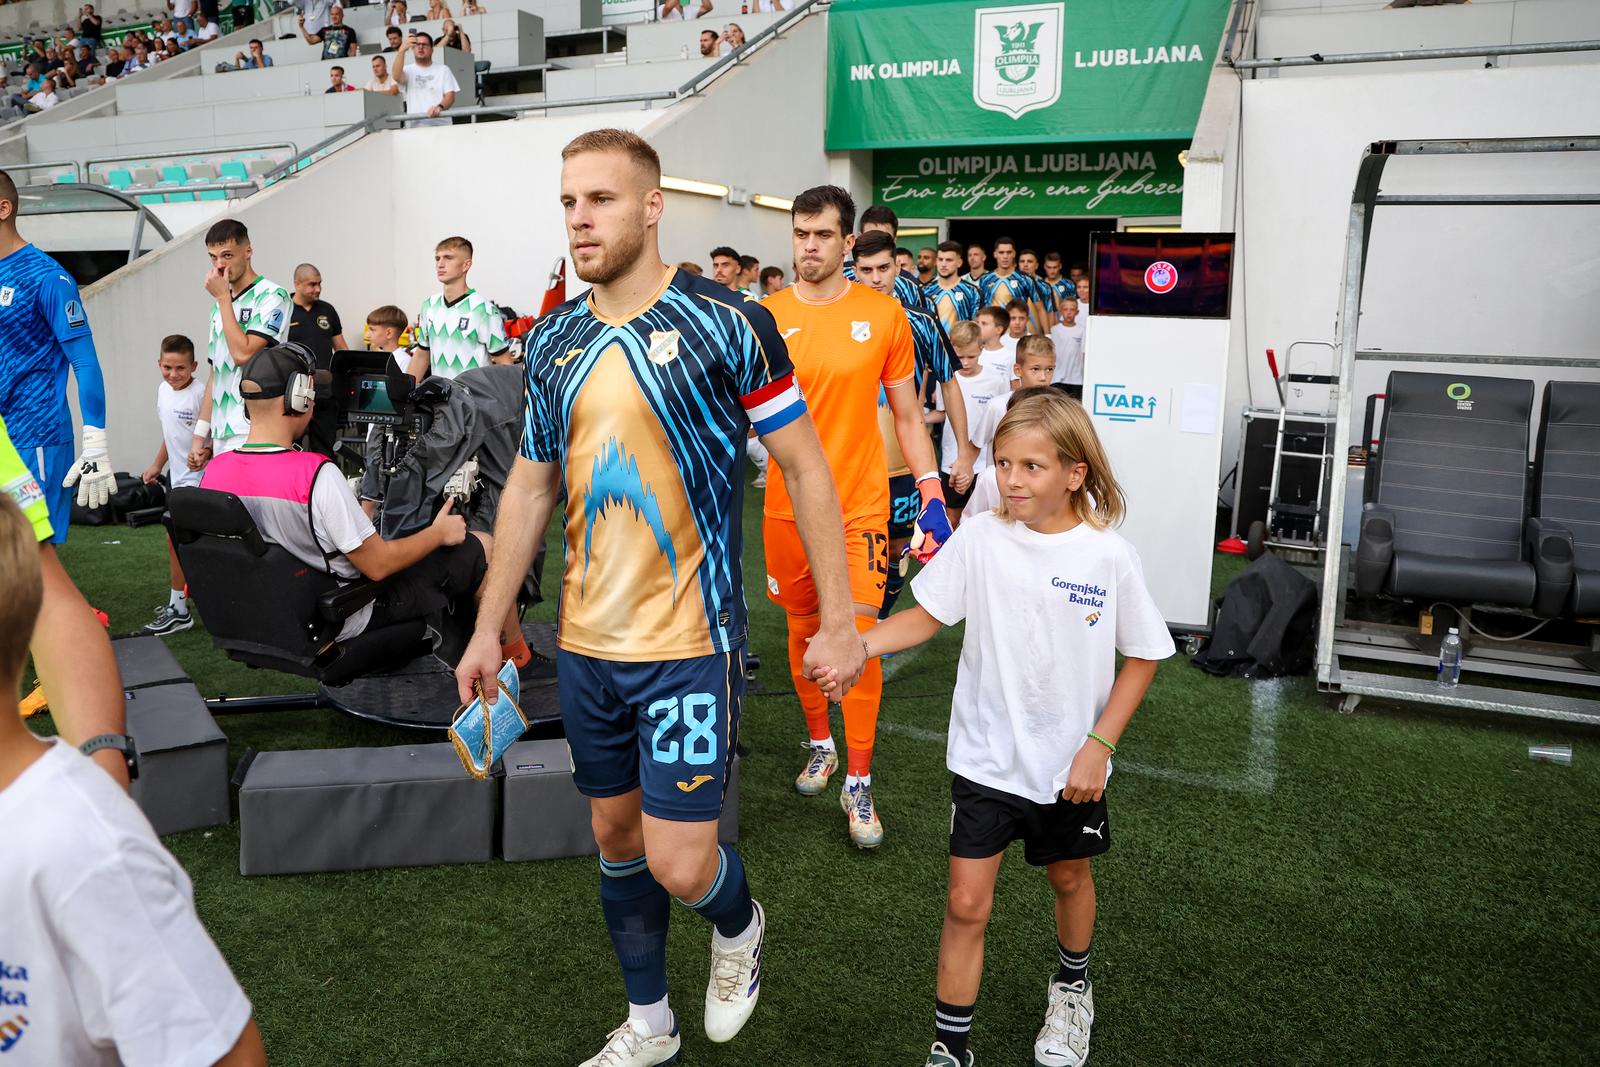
column 517, row 651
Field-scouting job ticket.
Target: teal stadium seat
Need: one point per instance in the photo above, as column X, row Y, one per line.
column 233, row 171
column 119, row 179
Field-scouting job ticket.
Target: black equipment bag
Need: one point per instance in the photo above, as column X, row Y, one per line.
column 1266, row 625
column 132, row 495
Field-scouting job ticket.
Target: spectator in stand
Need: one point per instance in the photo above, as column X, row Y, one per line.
column 438, row 9
column 69, row 74
column 684, row 9
column 453, row 36
column 338, row 40
column 394, row 38
column 181, row 8
column 141, row 59
column 749, row 275
column 313, row 15
column 396, row 15
column 710, row 44
column 170, row 49
column 160, row 29
column 256, row 60
column 430, row 87
column 244, row 13
column 205, row 29
column 52, row 61
column 116, row 59
column 336, row 82
column 472, row 7
column 33, row 84
column 381, row 81
column 725, row 267
column 184, row 34
column 771, row 280
column 733, row 35
column 87, row 66
column 89, row 27
column 45, row 98
column 692, row 267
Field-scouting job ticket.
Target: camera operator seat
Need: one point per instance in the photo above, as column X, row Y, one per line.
column 1567, row 498
column 265, row 608
column 1450, row 492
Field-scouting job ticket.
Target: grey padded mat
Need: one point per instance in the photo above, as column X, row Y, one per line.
column 422, row 694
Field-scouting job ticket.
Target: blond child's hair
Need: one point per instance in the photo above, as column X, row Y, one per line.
column 1099, row 501
column 965, row 333
column 21, row 589
column 1035, row 344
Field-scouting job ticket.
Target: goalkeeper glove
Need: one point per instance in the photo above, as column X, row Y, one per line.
column 92, row 472
column 932, row 528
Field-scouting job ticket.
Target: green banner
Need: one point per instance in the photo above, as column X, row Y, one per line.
column 1113, row 178
column 923, row 73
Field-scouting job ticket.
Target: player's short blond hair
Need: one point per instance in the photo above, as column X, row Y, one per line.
column 626, row 142
column 1062, row 420
column 455, row 244
column 21, row 590
column 965, row 333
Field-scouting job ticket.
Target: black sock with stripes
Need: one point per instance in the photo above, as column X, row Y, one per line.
column 952, row 1025
column 1072, row 966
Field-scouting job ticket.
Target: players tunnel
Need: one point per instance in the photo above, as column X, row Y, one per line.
column 1045, row 122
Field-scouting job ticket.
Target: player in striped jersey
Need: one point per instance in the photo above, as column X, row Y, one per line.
column 875, row 268
column 639, row 395
column 952, row 298
column 1005, row 285
column 907, row 289
column 249, row 314
column 1042, row 308
column 458, row 329
column 1060, row 285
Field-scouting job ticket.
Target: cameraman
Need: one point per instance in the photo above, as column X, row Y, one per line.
column 300, row 501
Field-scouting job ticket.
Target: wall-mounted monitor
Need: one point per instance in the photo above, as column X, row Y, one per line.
column 1169, row 275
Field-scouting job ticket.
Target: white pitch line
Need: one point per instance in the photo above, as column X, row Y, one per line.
column 902, row 660
column 1261, row 762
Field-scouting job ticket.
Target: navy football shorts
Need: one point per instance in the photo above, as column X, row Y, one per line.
column 667, row 727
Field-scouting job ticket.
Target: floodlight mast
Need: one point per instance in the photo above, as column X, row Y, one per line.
column 1364, row 201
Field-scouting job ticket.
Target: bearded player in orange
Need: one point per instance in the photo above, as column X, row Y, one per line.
column 846, row 341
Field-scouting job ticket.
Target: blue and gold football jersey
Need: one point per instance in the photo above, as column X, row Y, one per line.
column 953, row 305
column 647, row 416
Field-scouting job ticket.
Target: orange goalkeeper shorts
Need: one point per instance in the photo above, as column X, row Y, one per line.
column 789, row 581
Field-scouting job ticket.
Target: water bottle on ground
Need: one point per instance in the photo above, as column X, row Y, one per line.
column 1450, row 659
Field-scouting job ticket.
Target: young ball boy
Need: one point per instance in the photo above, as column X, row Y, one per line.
column 178, row 400
column 105, row 960
column 994, row 327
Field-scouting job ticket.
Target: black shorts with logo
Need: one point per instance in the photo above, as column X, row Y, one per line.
column 905, row 504
column 983, row 821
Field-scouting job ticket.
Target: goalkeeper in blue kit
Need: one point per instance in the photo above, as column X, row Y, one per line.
column 44, row 332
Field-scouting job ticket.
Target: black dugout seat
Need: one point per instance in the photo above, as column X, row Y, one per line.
column 264, row 607
column 1447, row 517
column 1566, row 501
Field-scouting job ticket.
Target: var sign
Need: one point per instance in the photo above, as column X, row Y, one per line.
column 1017, row 58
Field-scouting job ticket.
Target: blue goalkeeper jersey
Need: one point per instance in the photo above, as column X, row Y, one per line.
column 40, row 310
column 647, row 416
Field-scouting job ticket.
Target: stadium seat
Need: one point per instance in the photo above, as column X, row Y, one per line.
column 233, row 171
column 265, row 608
column 1566, row 500
column 1450, row 504
column 172, row 172
column 119, row 179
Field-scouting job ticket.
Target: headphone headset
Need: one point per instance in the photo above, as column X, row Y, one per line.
column 301, row 387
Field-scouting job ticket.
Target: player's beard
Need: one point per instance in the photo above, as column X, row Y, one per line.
column 815, row 271
column 616, row 258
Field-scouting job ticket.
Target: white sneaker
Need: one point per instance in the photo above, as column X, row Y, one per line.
column 735, row 983
column 632, row 1045
column 1064, row 1039
column 820, row 765
column 861, row 816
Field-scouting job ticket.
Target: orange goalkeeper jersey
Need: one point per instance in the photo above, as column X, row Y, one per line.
column 843, row 351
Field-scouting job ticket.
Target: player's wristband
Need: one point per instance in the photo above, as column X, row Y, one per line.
column 1104, row 742
column 202, row 428
column 930, row 476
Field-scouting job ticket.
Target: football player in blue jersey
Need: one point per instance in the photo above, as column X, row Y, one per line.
column 639, row 396
column 876, row 268
column 907, row 289
column 44, row 334
column 43, row 329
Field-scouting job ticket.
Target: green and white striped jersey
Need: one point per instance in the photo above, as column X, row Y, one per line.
column 262, row 309
column 461, row 334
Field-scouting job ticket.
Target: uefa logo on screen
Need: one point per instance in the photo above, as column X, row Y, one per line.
column 1161, row 277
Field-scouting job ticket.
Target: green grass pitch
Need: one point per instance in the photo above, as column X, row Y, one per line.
column 1288, row 885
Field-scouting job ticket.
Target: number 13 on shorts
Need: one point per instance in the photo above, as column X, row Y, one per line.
column 685, row 730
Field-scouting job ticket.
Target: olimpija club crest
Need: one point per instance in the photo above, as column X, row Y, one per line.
column 1017, row 58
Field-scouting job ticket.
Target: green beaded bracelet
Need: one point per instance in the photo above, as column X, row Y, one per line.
column 1104, row 742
